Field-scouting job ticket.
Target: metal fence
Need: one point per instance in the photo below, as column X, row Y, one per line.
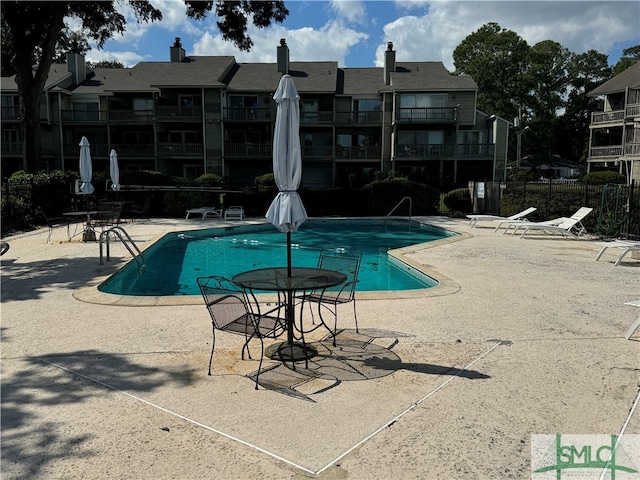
column 616, row 207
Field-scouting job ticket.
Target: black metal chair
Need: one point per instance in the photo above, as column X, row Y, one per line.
column 53, row 222
column 343, row 260
column 232, row 312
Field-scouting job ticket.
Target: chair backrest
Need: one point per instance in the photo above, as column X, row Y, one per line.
column 224, row 300
column 345, row 261
column 575, row 219
column 523, row 213
column 581, row 213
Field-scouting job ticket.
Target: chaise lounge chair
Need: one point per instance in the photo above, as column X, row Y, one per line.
column 626, row 246
column 571, row 226
column 206, row 212
column 234, row 213
column 521, row 216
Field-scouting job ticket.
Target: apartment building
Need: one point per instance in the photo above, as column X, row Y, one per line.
column 614, row 142
column 210, row 114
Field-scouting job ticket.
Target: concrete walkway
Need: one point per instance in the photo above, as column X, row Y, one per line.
column 525, row 337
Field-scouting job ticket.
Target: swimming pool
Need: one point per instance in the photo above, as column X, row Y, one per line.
column 175, row 261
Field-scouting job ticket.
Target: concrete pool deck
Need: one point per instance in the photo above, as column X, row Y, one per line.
column 528, row 340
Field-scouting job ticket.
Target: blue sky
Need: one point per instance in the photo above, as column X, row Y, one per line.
column 355, row 33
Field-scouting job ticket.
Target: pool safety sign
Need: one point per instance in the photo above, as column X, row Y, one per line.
column 582, row 457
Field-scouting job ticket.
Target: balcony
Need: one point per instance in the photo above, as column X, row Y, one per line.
column 427, row 115
column 10, row 113
column 599, row 118
column 247, row 150
column 250, row 114
column 178, row 113
column 316, row 118
column 180, row 149
column 358, row 118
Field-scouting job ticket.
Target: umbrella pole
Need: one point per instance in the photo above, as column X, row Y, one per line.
column 290, row 311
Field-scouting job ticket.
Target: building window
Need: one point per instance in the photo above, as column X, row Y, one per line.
column 85, row 111
column 10, row 107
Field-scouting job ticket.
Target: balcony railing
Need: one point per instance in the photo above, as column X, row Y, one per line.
column 632, row 150
column 178, row 113
column 426, row 151
column 606, row 151
column 131, row 116
column 244, row 114
column 133, row 150
column 180, row 148
column 358, row 118
column 633, row 110
column 317, row 152
column 96, row 149
column 427, row 115
column 316, row 118
column 607, row 117
column 10, row 113
column 247, row 150
column 358, row 152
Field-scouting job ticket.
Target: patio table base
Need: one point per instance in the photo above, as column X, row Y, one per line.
column 286, row 352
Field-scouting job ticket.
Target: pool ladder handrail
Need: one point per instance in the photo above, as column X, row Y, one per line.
column 117, row 230
column 400, row 203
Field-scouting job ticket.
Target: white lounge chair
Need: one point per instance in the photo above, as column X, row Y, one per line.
column 521, row 216
column 626, row 246
column 205, row 212
column 234, row 213
column 569, row 226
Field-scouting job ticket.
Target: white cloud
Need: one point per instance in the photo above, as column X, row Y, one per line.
column 330, row 42
column 353, row 11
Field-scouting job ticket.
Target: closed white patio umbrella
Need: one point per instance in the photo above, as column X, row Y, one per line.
column 114, row 171
column 287, row 212
column 86, row 169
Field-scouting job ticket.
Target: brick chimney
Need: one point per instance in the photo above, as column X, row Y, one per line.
column 177, row 53
column 389, row 63
column 76, row 64
column 283, row 57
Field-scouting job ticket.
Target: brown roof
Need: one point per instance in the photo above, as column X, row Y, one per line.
column 426, row 76
column 309, row 77
column 629, row 78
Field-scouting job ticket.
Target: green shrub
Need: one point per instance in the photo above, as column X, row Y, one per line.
column 266, row 180
column 209, row 180
column 458, row 202
column 602, row 178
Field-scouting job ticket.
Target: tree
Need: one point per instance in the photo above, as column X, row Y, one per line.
column 31, row 31
column 547, row 81
column 629, row 57
column 585, row 72
column 106, row 64
column 496, row 59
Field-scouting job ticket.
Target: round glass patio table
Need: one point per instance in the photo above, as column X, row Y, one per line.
column 280, row 279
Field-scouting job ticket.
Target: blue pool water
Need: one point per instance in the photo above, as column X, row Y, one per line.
column 177, row 259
